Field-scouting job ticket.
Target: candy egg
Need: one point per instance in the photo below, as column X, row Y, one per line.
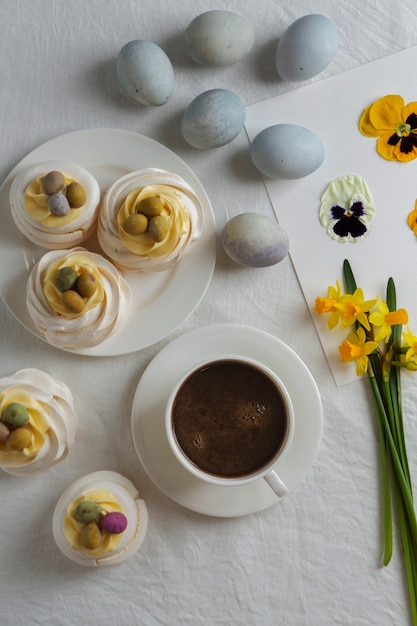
column 219, row 38
column 16, row 414
column 286, row 151
column 72, row 301
column 306, row 48
column 158, row 228
column 53, row 182
column 4, row 431
column 150, row 206
column 76, row 195
column 58, row 204
column 114, row 523
column 213, row 119
column 91, row 536
column 66, row 278
column 19, row 439
column 145, row 72
column 86, row 285
column 254, row 240
column 136, row 224
column 87, row 511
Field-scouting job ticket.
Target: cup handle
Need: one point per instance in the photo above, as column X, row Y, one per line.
column 276, row 484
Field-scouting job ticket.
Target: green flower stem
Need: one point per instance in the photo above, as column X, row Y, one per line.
column 350, row 285
column 396, row 420
column 375, row 368
column 409, row 558
column 402, row 480
column 395, row 391
column 384, row 373
column 386, row 490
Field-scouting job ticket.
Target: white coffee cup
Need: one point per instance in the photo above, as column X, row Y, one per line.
column 267, row 471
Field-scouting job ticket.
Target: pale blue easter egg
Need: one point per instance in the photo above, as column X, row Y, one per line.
column 213, row 119
column 219, row 38
column 145, row 72
column 287, row 151
column 306, row 48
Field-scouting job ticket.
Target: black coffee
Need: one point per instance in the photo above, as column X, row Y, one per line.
column 229, row 418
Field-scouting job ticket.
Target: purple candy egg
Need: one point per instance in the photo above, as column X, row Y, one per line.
column 58, row 204
column 114, row 523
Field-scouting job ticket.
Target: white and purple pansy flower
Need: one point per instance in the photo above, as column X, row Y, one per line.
column 347, row 209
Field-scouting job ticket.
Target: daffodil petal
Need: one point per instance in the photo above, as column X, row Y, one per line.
column 361, row 366
column 384, row 334
column 333, row 320
column 400, row 316
column 376, row 318
column 369, row 347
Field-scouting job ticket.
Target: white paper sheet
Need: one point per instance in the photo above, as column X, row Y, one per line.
column 331, row 108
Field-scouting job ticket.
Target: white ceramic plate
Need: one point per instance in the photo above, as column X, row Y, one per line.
column 109, row 154
column 148, row 418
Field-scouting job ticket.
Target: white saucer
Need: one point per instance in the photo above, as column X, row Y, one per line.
column 148, row 415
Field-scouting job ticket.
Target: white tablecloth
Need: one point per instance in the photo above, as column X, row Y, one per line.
column 315, row 557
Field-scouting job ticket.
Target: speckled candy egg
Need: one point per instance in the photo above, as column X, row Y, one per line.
column 287, row 151
column 219, row 38
column 145, row 72
column 213, row 119
column 114, row 523
column 58, row 204
column 306, row 48
column 254, row 240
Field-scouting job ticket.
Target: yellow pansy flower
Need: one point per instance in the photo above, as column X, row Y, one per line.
column 394, row 124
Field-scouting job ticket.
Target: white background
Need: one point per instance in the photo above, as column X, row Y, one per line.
column 332, row 109
column 315, row 557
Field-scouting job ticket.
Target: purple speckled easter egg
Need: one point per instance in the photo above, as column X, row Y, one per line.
column 114, row 523
column 58, row 204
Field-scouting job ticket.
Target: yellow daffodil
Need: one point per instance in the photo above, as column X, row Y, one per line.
column 357, row 348
column 354, row 309
column 384, row 319
column 412, row 219
column 329, row 305
column 411, row 342
column 394, row 124
column 380, row 362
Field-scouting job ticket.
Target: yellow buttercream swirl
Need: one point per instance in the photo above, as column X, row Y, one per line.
column 38, row 425
column 36, row 205
column 80, row 264
column 72, row 527
column 174, row 210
